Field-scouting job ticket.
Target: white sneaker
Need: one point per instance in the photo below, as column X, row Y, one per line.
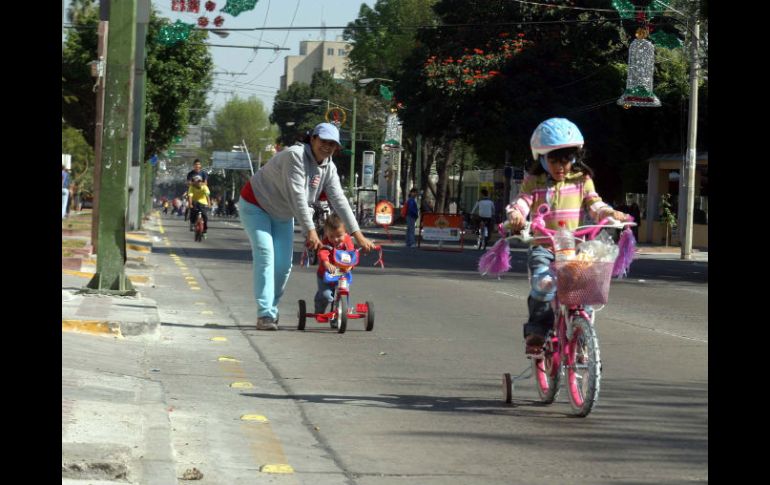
column 266, row 323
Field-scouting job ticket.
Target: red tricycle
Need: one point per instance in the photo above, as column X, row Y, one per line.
column 344, row 262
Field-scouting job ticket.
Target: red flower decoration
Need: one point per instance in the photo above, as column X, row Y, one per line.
column 219, row 21
column 521, row 34
column 478, row 51
column 210, row 6
column 203, row 21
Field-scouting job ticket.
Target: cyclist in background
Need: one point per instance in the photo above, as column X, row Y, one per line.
column 199, row 199
column 486, row 212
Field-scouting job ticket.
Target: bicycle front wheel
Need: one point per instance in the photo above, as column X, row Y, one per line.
column 584, row 367
column 547, row 370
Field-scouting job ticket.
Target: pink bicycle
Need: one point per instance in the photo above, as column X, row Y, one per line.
column 571, row 348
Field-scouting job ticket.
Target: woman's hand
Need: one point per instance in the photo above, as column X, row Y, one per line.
column 620, row 216
column 516, row 220
column 362, row 241
column 312, row 241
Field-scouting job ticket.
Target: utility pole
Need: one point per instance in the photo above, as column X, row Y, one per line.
column 138, row 170
column 688, row 174
column 101, row 77
column 353, row 149
column 110, row 274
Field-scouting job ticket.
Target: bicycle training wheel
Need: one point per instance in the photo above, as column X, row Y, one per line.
column 547, row 370
column 342, row 315
column 584, row 368
column 301, row 315
column 369, row 316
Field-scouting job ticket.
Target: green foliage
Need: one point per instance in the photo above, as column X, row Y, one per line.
column 177, row 79
column 242, row 120
column 379, row 49
column 73, row 143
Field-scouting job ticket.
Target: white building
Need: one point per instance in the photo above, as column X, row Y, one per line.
column 315, row 55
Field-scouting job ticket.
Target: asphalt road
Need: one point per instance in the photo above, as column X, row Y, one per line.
column 419, row 399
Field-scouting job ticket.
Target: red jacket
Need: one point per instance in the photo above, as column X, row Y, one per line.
column 325, row 254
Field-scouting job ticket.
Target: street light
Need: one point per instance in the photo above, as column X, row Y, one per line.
column 352, row 137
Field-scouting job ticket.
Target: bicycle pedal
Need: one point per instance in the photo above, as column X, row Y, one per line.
column 540, row 355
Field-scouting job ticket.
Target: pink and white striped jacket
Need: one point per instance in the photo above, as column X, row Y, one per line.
column 566, row 199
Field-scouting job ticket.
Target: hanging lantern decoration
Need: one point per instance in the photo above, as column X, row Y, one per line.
column 171, row 34
column 219, row 21
column 203, row 21
column 210, row 6
column 641, row 66
column 236, row 7
column 178, row 5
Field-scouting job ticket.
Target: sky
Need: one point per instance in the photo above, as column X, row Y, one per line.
column 262, row 69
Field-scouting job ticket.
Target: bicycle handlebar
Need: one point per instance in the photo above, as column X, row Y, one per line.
column 591, row 230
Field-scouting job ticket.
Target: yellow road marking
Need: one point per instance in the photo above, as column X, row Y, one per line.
column 219, row 339
column 207, row 312
column 254, row 417
column 81, row 274
column 276, row 468
column 242, row 385
column 227, row 359
column 195, row 288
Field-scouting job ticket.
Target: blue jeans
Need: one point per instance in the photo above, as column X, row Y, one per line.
column 410, row 222
column 543, row 289
column 272, row 244
column 324, row 296
column 65, row 195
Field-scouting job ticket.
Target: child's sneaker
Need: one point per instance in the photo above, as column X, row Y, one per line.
column 266, row 323
column 534, row 343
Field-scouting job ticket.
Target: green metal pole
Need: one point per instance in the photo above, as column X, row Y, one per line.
column 140, row 88
column 353, row 150
column 110, row 274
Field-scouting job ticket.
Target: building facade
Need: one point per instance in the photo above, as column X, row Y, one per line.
column 315, row 55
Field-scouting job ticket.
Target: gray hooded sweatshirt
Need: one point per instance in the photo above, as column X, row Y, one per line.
column 292, row 180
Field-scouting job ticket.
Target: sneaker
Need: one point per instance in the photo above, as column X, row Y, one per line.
column 534, row 343
column 266, row 323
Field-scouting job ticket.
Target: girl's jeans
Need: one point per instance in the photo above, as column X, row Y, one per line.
column 272, row 244
column 324, row 296
column 542, row 281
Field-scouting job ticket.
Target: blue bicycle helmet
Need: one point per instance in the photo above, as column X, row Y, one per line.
column 553, row 134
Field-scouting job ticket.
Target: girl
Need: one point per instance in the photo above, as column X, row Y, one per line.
column 336, row 237
column 560, row 179
column 281, row 191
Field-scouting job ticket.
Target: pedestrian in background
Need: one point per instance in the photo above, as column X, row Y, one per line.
column 65, row 190
column 280, row 192
column 411, row 217
column 486, row 212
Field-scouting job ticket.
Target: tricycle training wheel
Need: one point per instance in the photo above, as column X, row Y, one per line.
column 301, row 315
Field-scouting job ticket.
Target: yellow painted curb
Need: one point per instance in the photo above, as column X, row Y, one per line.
column 276, row 468
column 141, row 249
column 219, row 339
column 227, row 359
column 254, row 417
column 242, row 385
column 89, row 326
column 138, row 278
column 82, row 274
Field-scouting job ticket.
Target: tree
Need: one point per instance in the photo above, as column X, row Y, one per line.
column 178, row 78
column 296, row 115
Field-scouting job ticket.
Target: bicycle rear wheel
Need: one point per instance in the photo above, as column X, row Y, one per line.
column 584, row 368
column 547, row 371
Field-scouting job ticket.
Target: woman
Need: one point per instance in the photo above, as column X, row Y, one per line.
column 281, row 191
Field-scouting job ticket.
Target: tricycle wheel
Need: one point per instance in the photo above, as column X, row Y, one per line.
column 342, row 315
column 301, row 315
column 369, row 316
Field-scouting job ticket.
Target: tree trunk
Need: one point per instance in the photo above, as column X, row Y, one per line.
column 443, row 169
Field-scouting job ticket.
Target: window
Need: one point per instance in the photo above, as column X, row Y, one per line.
column 341, row 52
column 330, row 51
